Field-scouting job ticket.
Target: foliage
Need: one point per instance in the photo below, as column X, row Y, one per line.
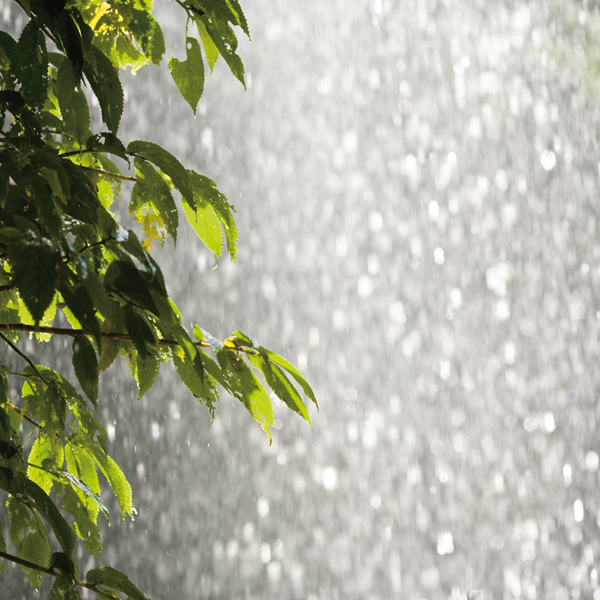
column 68, row 268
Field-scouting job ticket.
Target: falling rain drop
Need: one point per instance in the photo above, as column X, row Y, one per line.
column 548, row 160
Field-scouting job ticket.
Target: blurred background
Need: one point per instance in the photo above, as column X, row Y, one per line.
column 416, row 186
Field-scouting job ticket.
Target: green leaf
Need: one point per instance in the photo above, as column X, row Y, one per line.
column 9, row 441
column 35, row 273
column 24, row 522
column 198, row 333
column 52, row 168
column 108, row 142
column 8, row 46
column 131, row 283
column 148, row 34
column 61, row 563
column 78, row 459
column 206, row 224
column 146, row 371
column 206, row 189
column 167, row 163
column 110, row 579
column 48, row 405
column 31, row 64
column 20, row 520
column 189, row 74
column 35, row 548
column 44, row 201
column 86, row 367
column 238, row 340
column 63, row 590
column 245, row 386
column 110, row 351
column 212, row 52
column 79, row 302
column 117, row 480
column 86, row 527
column 20, row 486
column 201, row 387
column 280, row 384
column 104, row 81
column 128, row 55
column 90, row 280
column 218, row 15
column 70, row 37
column 151, row 188
column 289, row 367
column 236, row 9
column 2, row 548
column 73, row 104
column 142, row 335
column 49, row 455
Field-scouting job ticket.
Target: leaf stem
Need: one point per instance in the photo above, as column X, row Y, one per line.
column 108, row 173
column 23, row 356
column 87, row 247
column 54, row 573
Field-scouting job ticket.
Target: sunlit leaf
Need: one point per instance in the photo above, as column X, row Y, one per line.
column 206, row 224
column 245, row 386
column 117, row 480
column 148, row 34
column 289, row 367
column 189, row 74
column 212, row 53
column 45, row 455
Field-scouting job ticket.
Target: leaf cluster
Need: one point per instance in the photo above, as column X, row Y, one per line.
column 64, row 259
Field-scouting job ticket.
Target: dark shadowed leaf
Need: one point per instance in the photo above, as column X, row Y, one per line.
column 111, row 579
column 86, row 367
column 31, row 64
column 105, row 83
column 35, row 273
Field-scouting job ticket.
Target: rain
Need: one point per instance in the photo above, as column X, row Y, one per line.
column 416, row 186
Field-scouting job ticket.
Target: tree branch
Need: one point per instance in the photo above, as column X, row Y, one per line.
column 6, row 288
column 23, row 414
column 76, row 332
column 54, row 573
column 23, row 356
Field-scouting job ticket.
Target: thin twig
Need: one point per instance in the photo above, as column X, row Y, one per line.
column 87, row 247
column 100, row 243
column 23, row 356
column 80, row 151
column 108, row 174
column 23, row 414
column 6, row 288
column 54, row 573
